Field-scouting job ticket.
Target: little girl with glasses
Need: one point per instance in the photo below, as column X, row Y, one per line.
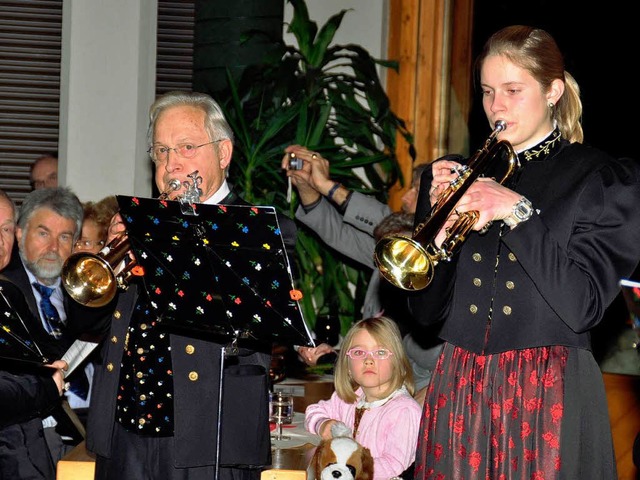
column 373, row 396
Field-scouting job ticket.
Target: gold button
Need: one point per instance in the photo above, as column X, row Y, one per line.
column 190, row 349
column 143, row 397
column 139, row 374
column 114, row 339
column 193, row 376
column 476, row 257
column 117, row 314
column 477, row 282
column 506, row 310
column 140, row 351
column 143, row 326
column 512, row 257
column 473, row 309
column 510, row 285
column 142, row 421
column 109, row 367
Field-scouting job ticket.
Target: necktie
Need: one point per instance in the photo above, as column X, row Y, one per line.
column 78, row 383
column 51, row 316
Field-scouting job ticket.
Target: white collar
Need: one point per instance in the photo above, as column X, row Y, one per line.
column 362, row 403
column 220, row 194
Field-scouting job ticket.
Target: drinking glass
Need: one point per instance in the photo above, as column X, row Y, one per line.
column 280, row 412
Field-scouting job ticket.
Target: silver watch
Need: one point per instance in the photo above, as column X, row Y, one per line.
column 521, row 212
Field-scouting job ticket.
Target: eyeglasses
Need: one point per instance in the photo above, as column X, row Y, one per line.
column 88, row 244
column 360, row 354
column 160, row 153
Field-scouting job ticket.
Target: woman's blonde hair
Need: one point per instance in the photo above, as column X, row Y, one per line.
column 385, row 331
column 536, row 51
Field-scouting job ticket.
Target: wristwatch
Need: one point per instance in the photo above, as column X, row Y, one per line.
column 521, row 212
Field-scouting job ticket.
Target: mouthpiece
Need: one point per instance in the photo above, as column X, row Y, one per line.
column 500, row 125
column 173, row 185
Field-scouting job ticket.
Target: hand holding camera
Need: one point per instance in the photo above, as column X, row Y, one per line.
column 295, row 162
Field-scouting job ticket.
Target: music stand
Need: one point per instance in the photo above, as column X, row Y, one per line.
column 221, row 269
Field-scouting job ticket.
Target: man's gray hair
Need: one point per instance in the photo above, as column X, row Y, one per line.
column 61, row 200
column 215, row 123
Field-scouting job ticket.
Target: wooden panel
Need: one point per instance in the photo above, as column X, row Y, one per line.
column 433, row 73
column 283, row 475
column 401, row 86
column 431, row 39
column 460, row 98
column 78, row 464
column 623, row 398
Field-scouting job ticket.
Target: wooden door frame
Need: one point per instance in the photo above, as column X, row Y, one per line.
column 431, row 92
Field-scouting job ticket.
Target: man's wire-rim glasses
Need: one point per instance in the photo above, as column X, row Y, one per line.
column 361, row 354
column 160, row 153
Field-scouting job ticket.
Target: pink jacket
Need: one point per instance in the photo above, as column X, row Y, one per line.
column 389, row 431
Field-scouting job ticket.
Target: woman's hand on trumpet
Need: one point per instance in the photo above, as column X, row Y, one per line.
column 492, row 200
column 444, row 172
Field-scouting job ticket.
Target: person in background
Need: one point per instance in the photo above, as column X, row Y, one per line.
column 345, row 220
column 373, row 397
column 517, row 392
column 44, row 171
column 95, row 224
column 154, row 413
column 27, row 392
column 393, row 302
column 48, row 225
column 7, row 228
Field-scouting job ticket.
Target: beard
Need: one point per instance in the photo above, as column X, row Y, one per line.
column 45, row 267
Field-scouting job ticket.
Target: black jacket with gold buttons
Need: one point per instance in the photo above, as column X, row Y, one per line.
column 550, row 279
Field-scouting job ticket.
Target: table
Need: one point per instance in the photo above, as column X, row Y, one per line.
column 290, row 458
column 78, row 464
column 293, row 454
column 306, row 391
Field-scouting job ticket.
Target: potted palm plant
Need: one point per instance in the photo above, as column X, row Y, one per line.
column 329, row 98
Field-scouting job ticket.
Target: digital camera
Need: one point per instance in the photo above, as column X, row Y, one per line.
column 295, row 163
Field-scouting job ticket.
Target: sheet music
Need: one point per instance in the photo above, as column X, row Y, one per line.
column 76, row 354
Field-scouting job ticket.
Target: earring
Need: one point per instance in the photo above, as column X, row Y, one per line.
column 551, row 105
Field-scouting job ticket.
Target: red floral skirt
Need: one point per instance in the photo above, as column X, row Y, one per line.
column 493, row 416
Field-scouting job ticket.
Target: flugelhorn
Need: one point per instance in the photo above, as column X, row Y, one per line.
column 409, row 262
column 91, row 278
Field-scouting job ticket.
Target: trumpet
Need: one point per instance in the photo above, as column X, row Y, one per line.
column 409, row 263
column 91, row 279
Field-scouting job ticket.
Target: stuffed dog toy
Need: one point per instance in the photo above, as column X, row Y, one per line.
column 342, row 458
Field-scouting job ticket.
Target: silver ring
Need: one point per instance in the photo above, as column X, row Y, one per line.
column 314, row 156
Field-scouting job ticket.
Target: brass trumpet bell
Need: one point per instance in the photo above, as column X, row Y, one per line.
column 405, row 261
column 90, row 278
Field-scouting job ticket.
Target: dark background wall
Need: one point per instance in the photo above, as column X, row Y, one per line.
column 600, row 43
